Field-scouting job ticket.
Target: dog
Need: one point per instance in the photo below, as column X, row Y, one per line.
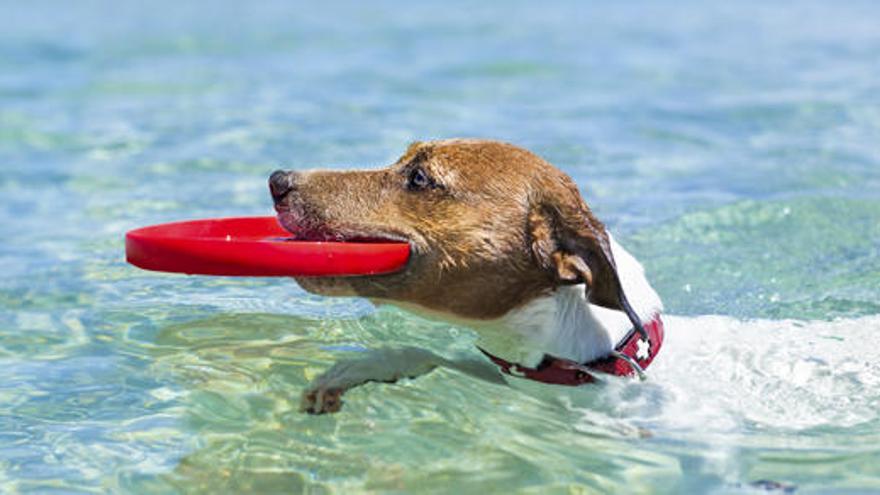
column 501, row 241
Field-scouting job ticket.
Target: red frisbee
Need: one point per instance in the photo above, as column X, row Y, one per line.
column 254, row 246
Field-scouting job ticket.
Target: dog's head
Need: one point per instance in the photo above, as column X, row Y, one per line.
column 490, row 226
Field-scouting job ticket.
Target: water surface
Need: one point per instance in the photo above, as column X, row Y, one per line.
column 732, row 148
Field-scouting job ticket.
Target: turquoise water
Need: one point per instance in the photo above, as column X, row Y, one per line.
column 732, row 148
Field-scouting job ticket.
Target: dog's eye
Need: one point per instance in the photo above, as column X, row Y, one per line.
column 418, row 180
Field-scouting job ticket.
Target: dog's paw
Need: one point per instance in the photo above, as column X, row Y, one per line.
column 321, row 400
column 324, row 394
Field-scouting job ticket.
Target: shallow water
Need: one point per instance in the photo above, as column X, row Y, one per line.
column 733, row 149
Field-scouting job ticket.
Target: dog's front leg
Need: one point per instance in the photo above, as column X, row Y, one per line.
column 324, row 394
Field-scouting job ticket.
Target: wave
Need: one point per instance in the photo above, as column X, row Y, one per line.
column 724, row 375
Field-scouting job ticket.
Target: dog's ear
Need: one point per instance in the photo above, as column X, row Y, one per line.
column 572, row 247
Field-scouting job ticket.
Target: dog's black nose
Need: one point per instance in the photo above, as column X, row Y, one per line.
column 280, row 184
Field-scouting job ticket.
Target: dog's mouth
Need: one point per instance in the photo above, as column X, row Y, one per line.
column 307, row 228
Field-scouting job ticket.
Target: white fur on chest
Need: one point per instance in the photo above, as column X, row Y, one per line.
column 565, row 325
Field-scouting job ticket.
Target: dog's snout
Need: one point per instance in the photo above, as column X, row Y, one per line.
column 280, row 183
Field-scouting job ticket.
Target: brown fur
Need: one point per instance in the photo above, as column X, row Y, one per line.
column 495, row 227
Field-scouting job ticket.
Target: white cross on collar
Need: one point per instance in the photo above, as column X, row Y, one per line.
column 644, row 349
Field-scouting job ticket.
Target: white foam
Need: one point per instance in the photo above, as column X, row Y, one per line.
column 722, row 375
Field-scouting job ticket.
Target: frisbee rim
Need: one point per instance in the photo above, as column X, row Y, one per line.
column 260, row 248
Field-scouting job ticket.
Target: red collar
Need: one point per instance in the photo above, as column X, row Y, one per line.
column 631, row 356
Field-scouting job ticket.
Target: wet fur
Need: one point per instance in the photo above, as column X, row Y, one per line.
column 500, row 239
